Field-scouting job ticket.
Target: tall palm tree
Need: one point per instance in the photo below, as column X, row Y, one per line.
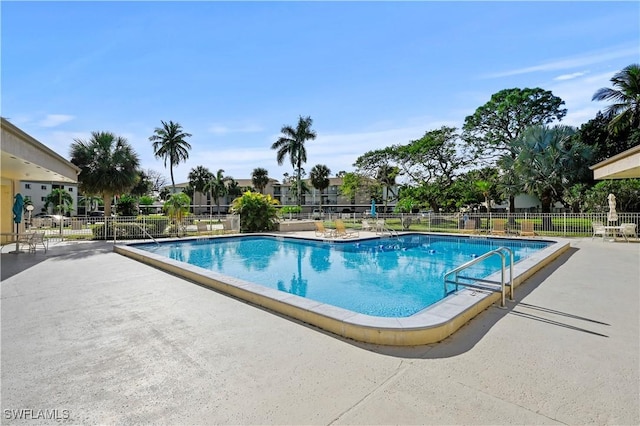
column 625, row 95
column 217, row 187
column 108, row 164
column 320, row 178
column 260, row 179
column 169, row 143
column 291, row 144
column 198, row 178
column 60, row 199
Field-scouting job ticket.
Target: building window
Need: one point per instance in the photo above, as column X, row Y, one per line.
column 43, row 198
column 27, row 186
column 44, row 187
column 70, row 189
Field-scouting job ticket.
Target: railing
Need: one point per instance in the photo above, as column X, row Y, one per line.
column 481, row 283
column 140, row 227
column 544, row 224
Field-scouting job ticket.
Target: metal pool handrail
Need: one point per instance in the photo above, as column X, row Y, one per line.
column 478, row 282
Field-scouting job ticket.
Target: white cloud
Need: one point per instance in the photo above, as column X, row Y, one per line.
column 221, row 129
column 572, row 62
column 577, row 94
column 569, row 76
column 54, row 120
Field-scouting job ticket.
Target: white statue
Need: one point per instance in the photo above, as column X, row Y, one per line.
column 612, row 202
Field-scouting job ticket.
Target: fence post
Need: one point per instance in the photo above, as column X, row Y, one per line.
column 564, row 222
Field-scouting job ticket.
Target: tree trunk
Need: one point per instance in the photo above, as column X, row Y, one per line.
column 107, row 198
column 512, row 204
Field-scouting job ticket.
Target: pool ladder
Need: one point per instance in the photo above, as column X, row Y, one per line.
column 455, row 275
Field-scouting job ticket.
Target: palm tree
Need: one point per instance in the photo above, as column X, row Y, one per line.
column 294, row 189
column 291, row 144
column 484, row 186
column 169, row 143
column 91, row 202
column 548, row 161
column 625, row 95
column 108, row 164
column 320, row 179
column 176, row 207
column 198, row 178
column 217, row 187
column 387, row 177
column 60, row 199
column 260, row 179
column 233, row 188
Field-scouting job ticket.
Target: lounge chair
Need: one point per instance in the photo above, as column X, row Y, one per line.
column 38, row 239
column 202, row 227
column 628, row 230
column 526, row 229
column 379, row 227
column 321, row 231
column 226, row 227
column 32, row 240
column 343, row 232
column 598, row 229
column 366, row 226
column 469, row 227
column 499, row 227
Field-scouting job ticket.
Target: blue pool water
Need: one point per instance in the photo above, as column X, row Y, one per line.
column 386, row 277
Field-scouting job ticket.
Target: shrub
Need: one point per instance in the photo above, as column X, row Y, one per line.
column 257, row 212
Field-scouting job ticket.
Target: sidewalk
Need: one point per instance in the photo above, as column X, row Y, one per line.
column 111, row 340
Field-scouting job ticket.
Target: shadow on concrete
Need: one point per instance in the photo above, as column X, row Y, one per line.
column 12, row 264
column 470, row 334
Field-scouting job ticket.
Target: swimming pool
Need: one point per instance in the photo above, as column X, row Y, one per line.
column 380, row 290
column 387, row 277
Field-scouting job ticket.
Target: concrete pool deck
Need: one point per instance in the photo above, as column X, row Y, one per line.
column 111, row 340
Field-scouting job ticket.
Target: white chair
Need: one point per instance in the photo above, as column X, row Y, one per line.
column 628, row 230
column 366, row 226
column 598, row 229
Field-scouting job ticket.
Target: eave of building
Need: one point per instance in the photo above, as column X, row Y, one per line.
column 24, row 158
column 625, row 165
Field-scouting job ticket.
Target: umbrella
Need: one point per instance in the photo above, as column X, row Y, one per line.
column 373, row 208
column 613, row 216
column 18, row 205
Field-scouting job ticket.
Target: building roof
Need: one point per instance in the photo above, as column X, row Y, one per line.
column 625, row 165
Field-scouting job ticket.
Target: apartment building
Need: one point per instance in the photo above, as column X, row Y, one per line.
column 330, row 198
column 37, row 192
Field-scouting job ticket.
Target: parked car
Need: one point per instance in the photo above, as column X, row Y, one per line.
column 55, row 219
column 96, row 217
column 317, row 214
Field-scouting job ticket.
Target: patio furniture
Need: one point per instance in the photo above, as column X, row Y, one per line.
column 598, row 229
column 470, row 227
column 321, row 231
column 342, row 231
column 366, row 226
column 628, row 230
column 526, row 228
column 499, row 227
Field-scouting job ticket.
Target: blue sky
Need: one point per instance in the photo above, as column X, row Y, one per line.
column 370, row 74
